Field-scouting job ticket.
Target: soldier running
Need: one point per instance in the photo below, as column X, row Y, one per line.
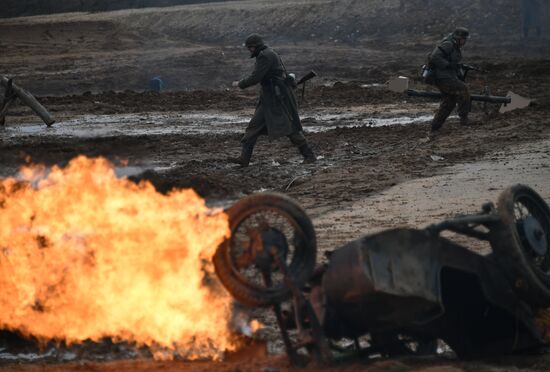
column 445, row 62
column 277, row 111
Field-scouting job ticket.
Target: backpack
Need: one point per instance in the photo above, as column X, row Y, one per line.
column 427, row 72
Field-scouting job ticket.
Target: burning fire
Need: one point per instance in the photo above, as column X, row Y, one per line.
column 85, row 255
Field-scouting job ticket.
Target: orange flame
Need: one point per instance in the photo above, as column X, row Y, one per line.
column 84, row 255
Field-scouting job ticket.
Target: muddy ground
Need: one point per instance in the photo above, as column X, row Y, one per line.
column 375, row 169
column 361, row 160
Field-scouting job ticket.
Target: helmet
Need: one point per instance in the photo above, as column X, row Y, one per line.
column 254, row 40
column 461, row 33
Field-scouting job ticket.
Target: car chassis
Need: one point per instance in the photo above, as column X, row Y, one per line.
column 401, row 287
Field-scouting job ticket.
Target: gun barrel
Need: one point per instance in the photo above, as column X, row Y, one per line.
column 491, row 99
column 310, row 75
column 474, row 97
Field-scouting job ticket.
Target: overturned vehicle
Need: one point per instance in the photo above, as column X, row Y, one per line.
column 404, row 289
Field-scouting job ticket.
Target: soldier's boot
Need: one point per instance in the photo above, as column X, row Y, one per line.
column 246, row 155
column 307, row 153
column 464, row 121
column 437, row 123
column 446, row 106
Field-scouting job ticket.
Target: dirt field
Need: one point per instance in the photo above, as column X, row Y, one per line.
column 374, row 171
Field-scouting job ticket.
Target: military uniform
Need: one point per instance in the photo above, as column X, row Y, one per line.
column 276, row 113
column 445, row 62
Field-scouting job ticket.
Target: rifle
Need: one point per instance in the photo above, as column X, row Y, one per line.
column 310, row 75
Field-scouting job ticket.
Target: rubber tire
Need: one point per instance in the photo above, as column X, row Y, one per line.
column 302, row 264
column 530, row 285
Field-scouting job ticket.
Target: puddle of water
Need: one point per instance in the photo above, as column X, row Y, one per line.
column 131, row 125
column 165, row 168
column 129, row 171
column 78, row 352
column 95, row 126
column 373, row 85
column 371, row 122
column 26, row 357
column 134, row 170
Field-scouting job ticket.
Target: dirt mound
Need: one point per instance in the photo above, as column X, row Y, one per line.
column 527, row 78
column 339, row 94
column 131, row 101
column 18, row 8
column 344, row 21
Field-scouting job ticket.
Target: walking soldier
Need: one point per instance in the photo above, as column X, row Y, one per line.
column 276, row 114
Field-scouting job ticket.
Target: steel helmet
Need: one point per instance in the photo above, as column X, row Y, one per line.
column 461, row 33
column 254, row 40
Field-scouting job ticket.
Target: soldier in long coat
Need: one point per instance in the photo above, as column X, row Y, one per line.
column 445, row 62
column 276, row 114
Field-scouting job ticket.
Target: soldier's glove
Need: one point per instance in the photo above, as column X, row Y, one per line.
column 235, row 84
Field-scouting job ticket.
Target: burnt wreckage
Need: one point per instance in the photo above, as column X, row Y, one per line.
column 405, row 288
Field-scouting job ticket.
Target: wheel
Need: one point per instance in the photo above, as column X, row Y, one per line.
column 525, row 241
column 267, row 230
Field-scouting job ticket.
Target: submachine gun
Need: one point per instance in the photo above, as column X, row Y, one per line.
column 463, row 70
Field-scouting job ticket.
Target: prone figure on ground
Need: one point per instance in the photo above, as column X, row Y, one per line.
column 448, row 77
column 276, row 113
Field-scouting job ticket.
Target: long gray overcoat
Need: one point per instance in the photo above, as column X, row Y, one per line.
column 277, row 109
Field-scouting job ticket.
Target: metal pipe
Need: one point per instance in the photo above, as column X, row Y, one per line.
column 29, row 100
column 474, row 97
column 461, row 224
